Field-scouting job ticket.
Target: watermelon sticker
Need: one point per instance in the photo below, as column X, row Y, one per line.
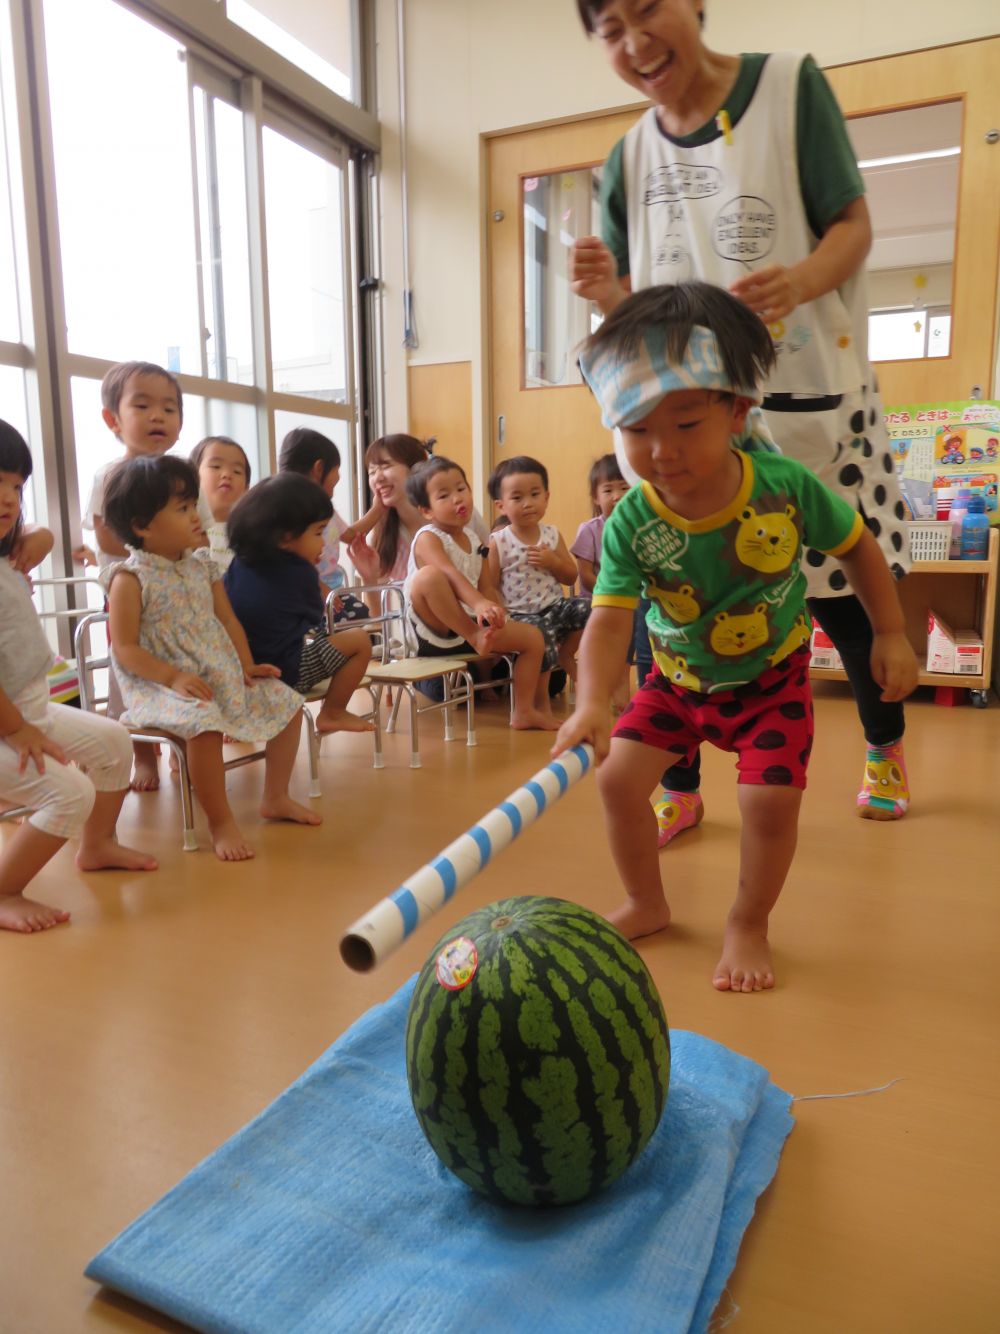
column 457, row 963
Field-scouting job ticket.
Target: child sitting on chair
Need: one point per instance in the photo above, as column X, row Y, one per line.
column 451, row 604
column 223, row 477
column 714, row 537
column 315, row 456
column 179, row 653
column 38, row 738
column 530, row 563
column 277, row 534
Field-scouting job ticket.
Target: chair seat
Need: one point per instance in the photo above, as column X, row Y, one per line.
column 414, row 669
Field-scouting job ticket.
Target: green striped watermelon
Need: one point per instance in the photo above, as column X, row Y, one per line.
column 537, row 1051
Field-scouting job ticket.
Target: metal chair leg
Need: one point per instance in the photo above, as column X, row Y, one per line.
column 187, row 794
column 313, row 740
column 470, row 707
column 415, row 762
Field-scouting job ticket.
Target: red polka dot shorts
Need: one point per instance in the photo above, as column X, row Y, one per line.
column 768, row 723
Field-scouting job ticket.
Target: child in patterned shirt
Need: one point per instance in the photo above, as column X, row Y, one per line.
column 714, row 537
column 530, row 563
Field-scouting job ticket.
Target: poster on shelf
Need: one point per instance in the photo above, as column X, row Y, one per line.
column 941, row 448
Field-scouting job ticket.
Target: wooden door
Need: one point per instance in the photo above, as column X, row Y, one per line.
column 561, row 426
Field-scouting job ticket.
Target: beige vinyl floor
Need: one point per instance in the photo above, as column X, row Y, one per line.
column 178, row 1004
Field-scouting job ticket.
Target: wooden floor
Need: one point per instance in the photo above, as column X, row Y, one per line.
column 177, row 1005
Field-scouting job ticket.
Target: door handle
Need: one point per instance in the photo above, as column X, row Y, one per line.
column 501, row 429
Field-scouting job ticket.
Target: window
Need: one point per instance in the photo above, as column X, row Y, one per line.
column 317, row 38
column 124, row 185
column 906, row 335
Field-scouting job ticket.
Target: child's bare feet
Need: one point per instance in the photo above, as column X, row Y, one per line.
column 20, row 914
column 635, row 919
column 145, row 775
column 746, row 959
column 533, row 720
column 229, row 843
column 284, row 808
column 109, row 855
column 341, row 720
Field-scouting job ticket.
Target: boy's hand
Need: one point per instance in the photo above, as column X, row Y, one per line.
column 259, row 671
column 84, row 555
column 191, row 686
column 593, row 272
column 894, row 666
column 543, row 558
column 771, row 292
column 489, row 613
column 32, row 744
column 588, row 723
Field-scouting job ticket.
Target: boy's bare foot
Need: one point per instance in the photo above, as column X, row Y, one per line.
column 229, row 843
column 111, row 855
column 145, row 776
column 639, row 919
column 20, row 914
column 284, row 808
column 533, row 720
column 746, row 960
column 341, row 720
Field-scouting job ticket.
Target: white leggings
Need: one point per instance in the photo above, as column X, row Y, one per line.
column 63, row 797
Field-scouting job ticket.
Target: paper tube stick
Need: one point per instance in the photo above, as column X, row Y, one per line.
column 373, row 937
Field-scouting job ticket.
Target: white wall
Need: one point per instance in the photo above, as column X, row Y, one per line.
column 477, row 66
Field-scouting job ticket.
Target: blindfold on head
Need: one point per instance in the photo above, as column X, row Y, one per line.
column 629, row 388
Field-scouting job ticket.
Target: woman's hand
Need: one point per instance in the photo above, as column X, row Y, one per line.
column 364, row 560
column 32, row 744
column 772, row 292
column 191, row 686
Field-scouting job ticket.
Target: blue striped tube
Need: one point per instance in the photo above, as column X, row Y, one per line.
column 373, row 937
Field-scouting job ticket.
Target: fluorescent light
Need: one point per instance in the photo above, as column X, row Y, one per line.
column 909, row 157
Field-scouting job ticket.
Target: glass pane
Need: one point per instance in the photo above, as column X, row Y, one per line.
column 225, row 255
column 10, row 324
column 335, row 430
column 214, row 416
column 303, row 197
column 557, row 210
column 317, row 38
column 897, row 335
column 123, row 179
column 910, row 161
column 938, row 335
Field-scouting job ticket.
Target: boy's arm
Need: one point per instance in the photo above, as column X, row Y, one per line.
column 588, row 575
column 556, row 560
column 107, row 541
column 774, row 291
column 492, row 570
column 365, row 524
column 602, row 655
column 31, row 548
column 894, row 664
column 231, row 623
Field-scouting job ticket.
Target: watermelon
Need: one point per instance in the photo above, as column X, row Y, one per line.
column 537, row 1051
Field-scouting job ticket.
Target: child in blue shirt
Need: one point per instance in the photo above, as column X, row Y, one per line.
column 276, row 534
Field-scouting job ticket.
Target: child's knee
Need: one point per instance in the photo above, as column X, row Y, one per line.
column 67, row 804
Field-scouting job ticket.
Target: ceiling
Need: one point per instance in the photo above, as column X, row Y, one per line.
column 914, row 204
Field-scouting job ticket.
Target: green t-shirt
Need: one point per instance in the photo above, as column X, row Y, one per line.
column 727, row 594
column 828, row 169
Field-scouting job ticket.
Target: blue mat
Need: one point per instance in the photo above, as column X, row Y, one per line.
column 329, row 1212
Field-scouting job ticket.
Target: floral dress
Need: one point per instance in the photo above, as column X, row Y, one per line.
column 179, row 626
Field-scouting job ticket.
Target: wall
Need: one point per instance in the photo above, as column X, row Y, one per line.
column 474, row 67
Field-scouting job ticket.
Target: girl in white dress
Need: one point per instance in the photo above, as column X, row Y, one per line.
column 180, row 655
